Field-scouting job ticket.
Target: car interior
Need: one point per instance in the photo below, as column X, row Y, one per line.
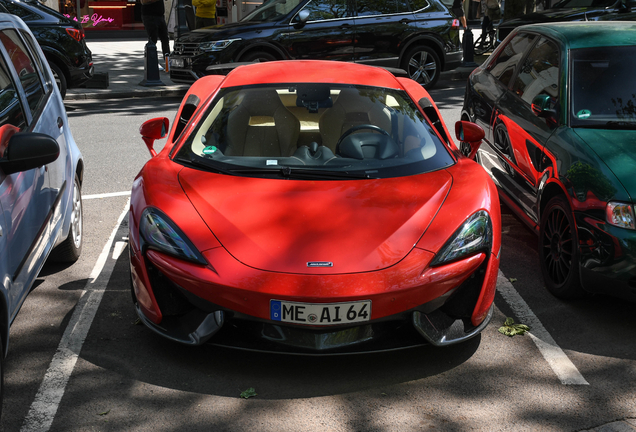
column 315, row 124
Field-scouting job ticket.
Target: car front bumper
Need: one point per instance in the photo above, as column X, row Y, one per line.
column 608, row 257
column 192, row 304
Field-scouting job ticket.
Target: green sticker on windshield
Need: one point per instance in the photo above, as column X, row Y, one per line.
column 209, row 150
column 583, row 114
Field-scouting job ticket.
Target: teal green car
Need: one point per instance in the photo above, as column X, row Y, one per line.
column 558, row 104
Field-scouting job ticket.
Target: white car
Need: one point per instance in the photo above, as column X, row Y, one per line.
column 41, row 171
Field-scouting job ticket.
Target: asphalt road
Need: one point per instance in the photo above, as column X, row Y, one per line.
column 109, row 373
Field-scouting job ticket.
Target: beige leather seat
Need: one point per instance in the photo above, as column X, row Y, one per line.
column 261, row 126
column 350, row 110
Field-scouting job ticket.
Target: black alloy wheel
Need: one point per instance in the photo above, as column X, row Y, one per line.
column 558, row 250
column 60, row 79
column 422, row 65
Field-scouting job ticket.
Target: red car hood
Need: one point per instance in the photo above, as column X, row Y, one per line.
column 282, row 225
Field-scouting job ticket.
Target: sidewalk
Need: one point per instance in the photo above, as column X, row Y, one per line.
column 124, row 62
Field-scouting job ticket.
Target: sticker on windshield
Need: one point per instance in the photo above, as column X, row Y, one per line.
column 209, row 150
column 271, row 162
column 583, row 114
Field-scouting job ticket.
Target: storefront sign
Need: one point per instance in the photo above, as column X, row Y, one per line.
column 95, row 18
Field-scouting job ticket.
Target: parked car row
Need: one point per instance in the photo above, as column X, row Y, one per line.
column 319, row 207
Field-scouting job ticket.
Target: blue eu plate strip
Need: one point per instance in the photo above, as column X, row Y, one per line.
column 275, row 310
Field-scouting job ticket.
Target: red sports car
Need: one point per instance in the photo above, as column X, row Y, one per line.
column 313, row 207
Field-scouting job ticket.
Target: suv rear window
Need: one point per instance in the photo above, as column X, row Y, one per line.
column 24, row 13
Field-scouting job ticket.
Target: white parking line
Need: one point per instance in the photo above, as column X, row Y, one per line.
column 47, row 400
column 553, row 354
column 106, row 195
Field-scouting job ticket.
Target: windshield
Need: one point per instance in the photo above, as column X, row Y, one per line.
column 317, row 131
column 272, row 10
column 568, row 4
column 603, row 91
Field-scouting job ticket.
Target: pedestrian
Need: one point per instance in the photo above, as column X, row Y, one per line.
column 491, row 10
column 205, row 14
column 153, row 16
column 458, row 10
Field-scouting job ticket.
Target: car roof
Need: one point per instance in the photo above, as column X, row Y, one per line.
column 588, row 34
column 309, row 71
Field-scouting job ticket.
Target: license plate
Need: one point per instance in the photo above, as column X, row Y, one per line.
column 178, row 63
column 320, row 313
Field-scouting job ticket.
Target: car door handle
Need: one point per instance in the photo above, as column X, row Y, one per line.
column 405, row 20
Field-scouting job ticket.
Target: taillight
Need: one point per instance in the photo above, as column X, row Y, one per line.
column 455, row 23
column 76, row 34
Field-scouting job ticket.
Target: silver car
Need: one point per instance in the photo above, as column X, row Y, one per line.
column 41, row 171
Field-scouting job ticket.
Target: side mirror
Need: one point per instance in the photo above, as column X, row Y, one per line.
column 26, row 151
column 301, row 18
column 541, row 106
column 152, row 130
column 470, row 136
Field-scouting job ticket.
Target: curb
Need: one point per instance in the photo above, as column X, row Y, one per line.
column 179, row 92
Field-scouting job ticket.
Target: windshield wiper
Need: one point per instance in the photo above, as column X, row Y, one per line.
column 199, row 164
column 620, row 125
column 303, row 173
column 284, row 171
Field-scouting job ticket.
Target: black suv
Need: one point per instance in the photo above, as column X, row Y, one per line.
column 61, row 39
column 419, row 36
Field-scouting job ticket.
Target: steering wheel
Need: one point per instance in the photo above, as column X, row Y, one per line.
column 357, row 128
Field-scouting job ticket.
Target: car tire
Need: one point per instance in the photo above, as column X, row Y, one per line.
column 258, row 56
column 559, row 251
column 422, row 64
column 70, row 249
column 59, row 78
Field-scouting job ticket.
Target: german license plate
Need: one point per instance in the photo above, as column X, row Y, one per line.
column 176, row 62
column 320, row 313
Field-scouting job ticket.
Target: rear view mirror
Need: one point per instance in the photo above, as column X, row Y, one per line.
column 470, row 136
column 26, row 151
column 152, row 130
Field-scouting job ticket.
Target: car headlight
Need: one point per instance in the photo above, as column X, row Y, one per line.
column 473, row 236
column 216, row 45
column 620, row 215
column 160, row 233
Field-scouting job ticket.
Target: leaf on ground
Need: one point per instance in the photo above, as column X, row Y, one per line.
column 250, row 392
column 137, row 322
column 103, row 413
column 511, row 329
column 513, row 280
